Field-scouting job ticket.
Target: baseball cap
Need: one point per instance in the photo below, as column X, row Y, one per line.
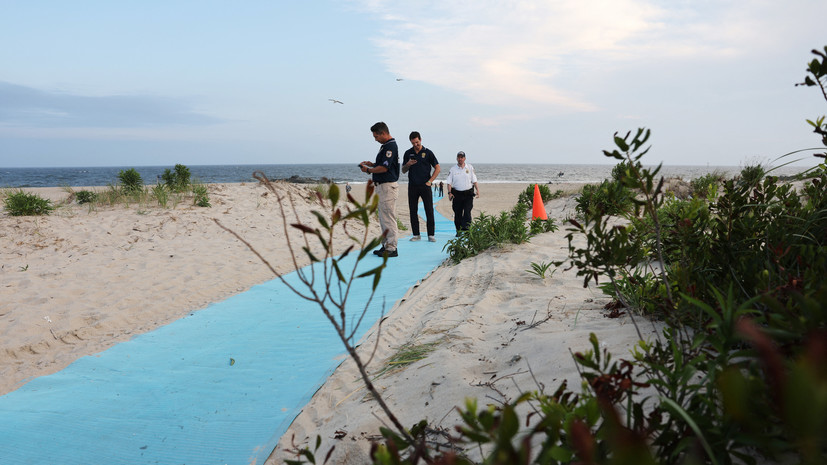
column 461, row 154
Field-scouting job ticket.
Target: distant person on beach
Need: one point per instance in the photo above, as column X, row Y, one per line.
column 462, row 182
column 385, row 171
column 441, row 192
column 417, row 162
column 347, row 187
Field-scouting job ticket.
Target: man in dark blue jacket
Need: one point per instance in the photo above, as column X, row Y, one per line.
column 417, row 162
column 385, row 171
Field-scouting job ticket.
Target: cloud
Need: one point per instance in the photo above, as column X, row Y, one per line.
column 532, row 53
column 28, row 107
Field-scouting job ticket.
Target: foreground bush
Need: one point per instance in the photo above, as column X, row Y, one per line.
column 21, row 203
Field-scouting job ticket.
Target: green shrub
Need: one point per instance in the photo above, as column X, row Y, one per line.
column 751, row 175
column 178, row 180
column 527, row 196
column 607, row 198
column 706, row 186
column 130, row 181
column 621, row 171
column 86, row 196
column 22, row 203
column 201, row 195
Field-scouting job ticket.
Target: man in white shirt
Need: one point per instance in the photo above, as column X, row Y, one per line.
column 462, row 184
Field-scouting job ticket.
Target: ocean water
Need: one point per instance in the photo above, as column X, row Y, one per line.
column 339, row 173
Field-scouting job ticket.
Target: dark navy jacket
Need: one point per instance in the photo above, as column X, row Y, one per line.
column 388, row 157
column 420, row 172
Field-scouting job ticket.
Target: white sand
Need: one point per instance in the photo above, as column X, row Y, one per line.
column 79, row 281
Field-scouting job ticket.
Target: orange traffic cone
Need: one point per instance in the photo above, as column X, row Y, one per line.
column 538, row 210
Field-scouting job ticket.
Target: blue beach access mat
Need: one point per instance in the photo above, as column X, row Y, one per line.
column 217, row 387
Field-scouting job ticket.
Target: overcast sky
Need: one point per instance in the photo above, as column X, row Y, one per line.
column 103, row 83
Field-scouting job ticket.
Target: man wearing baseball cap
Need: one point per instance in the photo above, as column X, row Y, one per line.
column 462, row 184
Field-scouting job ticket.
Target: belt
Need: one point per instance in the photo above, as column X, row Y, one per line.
column 381, row 182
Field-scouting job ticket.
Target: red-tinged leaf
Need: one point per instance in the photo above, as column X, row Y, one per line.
column 304, row 229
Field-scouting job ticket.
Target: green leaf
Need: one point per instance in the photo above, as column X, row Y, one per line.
column 678, row 410
column 333, row 193
column 621, row 144
column 322, row 220
column 339, row 273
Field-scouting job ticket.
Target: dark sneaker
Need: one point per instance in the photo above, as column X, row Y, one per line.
column 379, row 251
column 392, row 254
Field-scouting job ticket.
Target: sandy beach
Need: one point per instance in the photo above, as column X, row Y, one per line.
column 81, row 280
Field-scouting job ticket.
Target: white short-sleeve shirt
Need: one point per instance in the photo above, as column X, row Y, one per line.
column 462, row 179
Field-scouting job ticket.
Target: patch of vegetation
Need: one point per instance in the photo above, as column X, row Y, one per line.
column 21, row 203
column 201, row 195
column 178, row 180
column 751, row 175
column 706, row 186
column 527, row 196
column 400, row 225
column 607, row 198
column 85, row 196
column 405, row 355
column 486, row 231
column 162, row 194
column 130, row 181
column 540, row 269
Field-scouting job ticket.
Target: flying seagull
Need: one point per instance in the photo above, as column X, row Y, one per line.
column 399, row 79
column 336, row 101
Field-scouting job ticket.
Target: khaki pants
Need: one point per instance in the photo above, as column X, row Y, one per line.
column 388, row 193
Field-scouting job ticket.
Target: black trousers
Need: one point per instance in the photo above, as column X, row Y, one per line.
column 414, row 194
column 462, row 204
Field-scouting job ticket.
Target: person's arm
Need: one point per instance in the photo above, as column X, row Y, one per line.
column 477, row 187
column 377, row 169
column 433, row 176
column 407, row 165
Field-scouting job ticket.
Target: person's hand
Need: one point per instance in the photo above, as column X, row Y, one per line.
column 412, row 161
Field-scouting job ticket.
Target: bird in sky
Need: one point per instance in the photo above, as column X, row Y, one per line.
column 399, row 79
column 336, row 101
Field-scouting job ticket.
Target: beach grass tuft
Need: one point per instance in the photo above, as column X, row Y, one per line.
column 405, row 355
